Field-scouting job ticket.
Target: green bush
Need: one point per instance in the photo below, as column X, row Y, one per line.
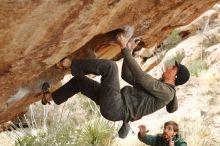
column 83, row 130
column 97, row 132
column 60, row 134
column 31, row 140
column 196, row 67
column 179, row 56
column 172, row 40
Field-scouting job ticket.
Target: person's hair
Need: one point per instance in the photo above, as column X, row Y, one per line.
column 174, row 124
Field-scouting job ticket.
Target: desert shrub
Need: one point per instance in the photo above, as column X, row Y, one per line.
column 74, row 130
column 97, row 132
column 89, row 106
column 195, row 133
column 197, row 67
column 210, row 82
column 62, row 133
column 30, row 140
column 172, row 40
column 179, row 56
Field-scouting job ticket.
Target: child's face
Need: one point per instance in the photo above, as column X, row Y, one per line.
column 168, row 132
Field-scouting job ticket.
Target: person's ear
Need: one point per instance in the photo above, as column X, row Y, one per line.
column 175, row 66
column 174, row 134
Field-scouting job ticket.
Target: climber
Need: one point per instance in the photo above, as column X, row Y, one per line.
column 143, row 96
column 170, row 136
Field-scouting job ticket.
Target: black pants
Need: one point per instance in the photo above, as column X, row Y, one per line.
column 106, row 94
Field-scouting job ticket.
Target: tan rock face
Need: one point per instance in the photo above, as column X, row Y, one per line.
column 36, row 34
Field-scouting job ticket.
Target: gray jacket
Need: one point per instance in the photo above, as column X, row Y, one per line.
column 147, row 94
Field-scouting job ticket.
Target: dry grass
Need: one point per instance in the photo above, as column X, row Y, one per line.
column 198, row 132
column 210, row 82
column 66, row 126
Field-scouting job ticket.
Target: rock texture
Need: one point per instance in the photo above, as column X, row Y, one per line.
column 36, row 34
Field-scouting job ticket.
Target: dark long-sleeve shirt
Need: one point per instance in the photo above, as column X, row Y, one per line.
column 147, row 94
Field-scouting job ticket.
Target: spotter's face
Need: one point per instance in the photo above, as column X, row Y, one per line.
column 168, row 132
